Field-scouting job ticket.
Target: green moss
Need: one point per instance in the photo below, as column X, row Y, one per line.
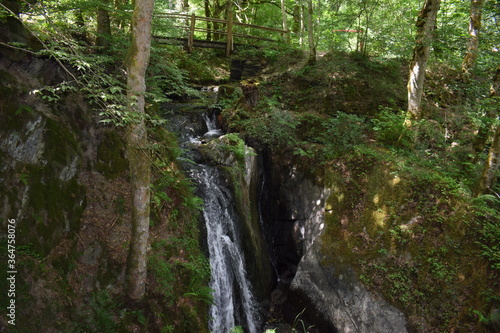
column 404, row 235
column 13, row 115
column 55, row 206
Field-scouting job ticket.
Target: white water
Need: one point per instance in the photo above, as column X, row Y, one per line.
column 233, row 300
column 234, row 304
column 212, row 130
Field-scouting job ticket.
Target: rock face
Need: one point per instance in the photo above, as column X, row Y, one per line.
column 64, row 180
column 41, row 154
column 343, row 300
column 57, row 166
column 333, row 298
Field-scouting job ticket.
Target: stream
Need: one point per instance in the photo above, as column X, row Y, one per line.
column 233, row 301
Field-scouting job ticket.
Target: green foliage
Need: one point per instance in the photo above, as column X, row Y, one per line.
column 29, row 250
column 203, row 293
column 236, row 146
column 486, row 208
column 451, row 38
column 342, row 133
column 299, row 326
column 390, row 128
column 279, row 57
column 163, row 272
column 24, row 108
column 165, row 180
column 102, row 314
column 165, row 78
column 104, row 317
column 170, row 186
column 421, row 154
column 172, row 271
column 94, row 73
column 203, row 66
column 270, row 125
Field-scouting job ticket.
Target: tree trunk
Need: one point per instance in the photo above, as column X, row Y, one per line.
column 302, row 25
column 491, row 165
column 218, row 11
column 310, row 31
column 207, row 14
column 81, row 33
column 139, row 160
column 426, row 24
column 120, row 8
column 492, row 162
column 491, row 113
column 185, row 9
column 250, row 89
column 285, row 26
column 296, row 17
column 103, row 25
column 470, row 58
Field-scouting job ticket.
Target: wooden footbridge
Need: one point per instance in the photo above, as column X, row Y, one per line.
column 214, row 27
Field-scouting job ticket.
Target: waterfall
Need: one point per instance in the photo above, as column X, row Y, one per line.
column 233, row 301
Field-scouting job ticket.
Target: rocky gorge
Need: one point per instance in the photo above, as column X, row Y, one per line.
column 357, row 243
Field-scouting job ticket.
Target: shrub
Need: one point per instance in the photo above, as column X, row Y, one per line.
column 271, row 127
column 389, row 126
column 342, row 133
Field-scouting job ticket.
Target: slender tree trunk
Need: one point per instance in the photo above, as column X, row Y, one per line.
column 318, row 13
column 492, row 162
column 283, row 16
column 296, row 17
column 491, row 165
column 484, row 131
column 119, row 17
column 426, row 24
column 364, row 31
column 185, row 9
column 103, row 25
column 302, row 25
column 82, row 28
column 218, row 11
column 310, row 31
column 139, row 160
column 476, row 9
column 207, row 14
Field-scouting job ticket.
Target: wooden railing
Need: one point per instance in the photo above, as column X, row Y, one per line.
column 190, row 27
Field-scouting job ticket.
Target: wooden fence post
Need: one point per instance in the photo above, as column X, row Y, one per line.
column 191, row 34
column 229, row 43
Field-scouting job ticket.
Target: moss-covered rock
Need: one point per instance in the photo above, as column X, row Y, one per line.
column 403, row 235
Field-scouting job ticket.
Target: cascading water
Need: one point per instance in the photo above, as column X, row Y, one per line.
column 233, row 302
